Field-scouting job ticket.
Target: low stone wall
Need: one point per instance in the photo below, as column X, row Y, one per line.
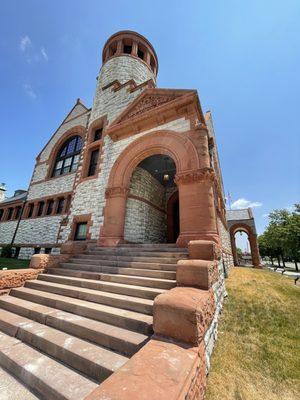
column 17, row 277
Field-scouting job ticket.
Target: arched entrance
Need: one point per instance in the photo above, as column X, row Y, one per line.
column 194, row 179
column 151, row 213
column 252, row 237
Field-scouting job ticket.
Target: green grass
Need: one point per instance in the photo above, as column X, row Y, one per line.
column 257, row 355
column 13, row 263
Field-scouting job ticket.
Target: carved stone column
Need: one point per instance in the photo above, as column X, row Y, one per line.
column 198, row 218
column 112, row 232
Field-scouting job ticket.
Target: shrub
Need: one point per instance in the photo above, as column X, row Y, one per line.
column 7, row 251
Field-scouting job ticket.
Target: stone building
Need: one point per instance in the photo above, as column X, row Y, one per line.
column 140, row 166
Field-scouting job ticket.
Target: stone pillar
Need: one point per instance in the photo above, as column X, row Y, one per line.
column 233, row 248
column 112, row 232
column 254, row 251
column 134, row 48
column 198, row 220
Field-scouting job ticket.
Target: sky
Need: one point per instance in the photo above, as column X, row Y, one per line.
column 242, row 56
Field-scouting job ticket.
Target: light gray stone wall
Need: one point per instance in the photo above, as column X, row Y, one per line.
column 39, row 230
column 211, row 334
column 52, row 187
column 7, row 229
column 143, row 222
column 225, row 236
column 122, row 68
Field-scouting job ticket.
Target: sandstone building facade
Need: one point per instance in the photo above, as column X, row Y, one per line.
column 140, row 166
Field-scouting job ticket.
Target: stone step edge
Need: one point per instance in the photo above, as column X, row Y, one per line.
column 50, row 383
column 52, row 342
column 123, row 318
column 102, row 296
column 69, row 323
column 110, row 285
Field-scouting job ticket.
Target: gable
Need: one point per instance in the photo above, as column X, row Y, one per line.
column 150, row 100
column 77, row 110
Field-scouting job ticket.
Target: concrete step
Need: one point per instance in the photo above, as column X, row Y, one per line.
column 123, row 271
column 48, row 378
column 130, row 290
column 125, row 264
column 12, row 389
column 172, row 245
column 138, row 252
column 94, row 361
column 123, row 318
column 118, row 339
column 126, row 258
column 125, row 302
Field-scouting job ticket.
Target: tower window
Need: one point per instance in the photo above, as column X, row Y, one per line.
column 10, row 213
column 50, row 207
column 93, row 162
column 140, row 54
column 98, row 134
column 40, row 208
column 68, row 157
column 60, row 205
column 30, row 210
column 18, row 212
column 1, row 213
column 81, row 231
column 127, row 49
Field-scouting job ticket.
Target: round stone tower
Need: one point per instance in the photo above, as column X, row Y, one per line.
column 127, row 56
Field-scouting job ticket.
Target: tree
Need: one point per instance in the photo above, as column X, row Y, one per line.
column 281, row 239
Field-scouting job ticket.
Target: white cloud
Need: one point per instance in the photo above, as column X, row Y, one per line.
column 243, row 203
column 25, row 43
column 29, row 91
column 44, row 54
column 30, row 53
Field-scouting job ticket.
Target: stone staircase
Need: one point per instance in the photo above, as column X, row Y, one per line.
column 71, row 328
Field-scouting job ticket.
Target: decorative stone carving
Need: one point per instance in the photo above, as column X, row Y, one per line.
column 148, row 103
column 116, row 192
column 203, row 174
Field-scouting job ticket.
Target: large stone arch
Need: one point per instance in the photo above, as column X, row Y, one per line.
column 244, row 227
column 193, row 178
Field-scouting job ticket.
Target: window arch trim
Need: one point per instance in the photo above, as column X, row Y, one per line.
column 75, row 131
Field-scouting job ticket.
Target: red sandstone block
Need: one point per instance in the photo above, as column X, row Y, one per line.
column 204, row 250
column 183, row 314
column 197, row 273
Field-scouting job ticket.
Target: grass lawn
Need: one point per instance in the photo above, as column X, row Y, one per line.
column 257, row 355
column 13, row 263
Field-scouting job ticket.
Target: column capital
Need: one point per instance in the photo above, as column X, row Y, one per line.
column 118, row 191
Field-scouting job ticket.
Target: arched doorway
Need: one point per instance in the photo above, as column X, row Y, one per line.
column 243, row 250
column 194, row 179
column 152, row 216
column 253, row 245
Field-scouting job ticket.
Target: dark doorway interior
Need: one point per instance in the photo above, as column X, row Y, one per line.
column 173, row 218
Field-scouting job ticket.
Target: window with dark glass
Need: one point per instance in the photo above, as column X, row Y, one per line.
column 48, row 250
column 40, row 208
column 37, row 250
column 140, row 54
column 68, row 157
column 98, row 134
column 10, row 213
column 50, row 207
column 127, row 49
column 18, row 212
column 60, row 205
column 30, row 210
column 81, row 230
column 1, row 214
column 93, row 162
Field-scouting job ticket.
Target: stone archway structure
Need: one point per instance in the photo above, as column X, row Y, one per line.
column 194, row 179
column 242, row 220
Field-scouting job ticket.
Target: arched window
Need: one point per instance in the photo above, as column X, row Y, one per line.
column 68, row 157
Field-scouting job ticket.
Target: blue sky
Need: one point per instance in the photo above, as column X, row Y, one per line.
column 242, row 57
